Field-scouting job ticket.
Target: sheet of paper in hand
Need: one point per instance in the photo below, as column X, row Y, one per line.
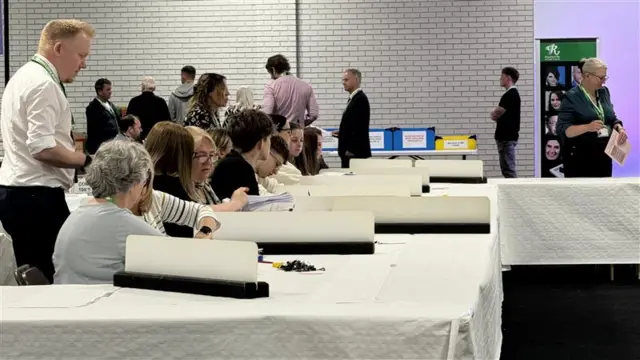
column 616, row 151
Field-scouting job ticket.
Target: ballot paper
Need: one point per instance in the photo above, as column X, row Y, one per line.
column 616, row 151
column 279, row 202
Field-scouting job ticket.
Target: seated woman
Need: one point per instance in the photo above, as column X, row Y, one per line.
column 205, row 155
column 244, row 101
column 172, row 149
column 157, row 208
column 281, row 126
column 288, row 174
column 277, row 157
column 308, row 162
column 90, row 246
column 250, row 133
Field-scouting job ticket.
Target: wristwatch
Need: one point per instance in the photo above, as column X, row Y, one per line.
column 206, row 230
column 87, row 161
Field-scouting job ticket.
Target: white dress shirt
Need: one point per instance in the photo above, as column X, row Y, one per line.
column 107, row 105
column 35, row 116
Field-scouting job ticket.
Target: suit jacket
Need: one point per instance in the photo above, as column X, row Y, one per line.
column 353, row 135
column 102, row 124
column 150, row 109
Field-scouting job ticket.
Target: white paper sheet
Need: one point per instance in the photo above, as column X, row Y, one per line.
column 616, row 151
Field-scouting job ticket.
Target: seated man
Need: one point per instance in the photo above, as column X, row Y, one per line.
column 266, row 169
column 250, row 133
column 130, row 128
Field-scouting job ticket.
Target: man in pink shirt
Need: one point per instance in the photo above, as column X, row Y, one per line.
column 287, row 95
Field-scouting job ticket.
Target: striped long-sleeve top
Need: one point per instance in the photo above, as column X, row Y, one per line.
column 170, row 209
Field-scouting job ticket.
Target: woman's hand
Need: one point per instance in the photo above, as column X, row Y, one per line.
column 622, row 137
column 595, row 126
column 201, row 235
column 239, row 197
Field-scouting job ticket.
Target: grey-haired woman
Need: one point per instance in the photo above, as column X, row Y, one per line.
column 90, row 246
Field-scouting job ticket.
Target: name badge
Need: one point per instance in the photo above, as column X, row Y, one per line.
column 604, row 132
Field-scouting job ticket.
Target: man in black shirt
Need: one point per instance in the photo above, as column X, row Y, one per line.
column 507, row 118
column 250, row 133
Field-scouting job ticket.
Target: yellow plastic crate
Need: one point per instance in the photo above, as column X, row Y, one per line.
column 456, row 142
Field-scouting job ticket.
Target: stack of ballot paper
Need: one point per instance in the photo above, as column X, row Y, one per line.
column 280, row 202
column 616, row 151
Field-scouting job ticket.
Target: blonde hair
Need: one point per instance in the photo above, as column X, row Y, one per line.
column 198, row 135
column 221, row 139
column 171, row 148
column 591, row 65
column 63, row 29
column 244, row 97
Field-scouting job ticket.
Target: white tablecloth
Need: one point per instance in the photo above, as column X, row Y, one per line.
column 569, row 221
column 418, row 297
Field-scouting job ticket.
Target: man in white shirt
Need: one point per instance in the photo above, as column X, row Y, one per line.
column 39, row 151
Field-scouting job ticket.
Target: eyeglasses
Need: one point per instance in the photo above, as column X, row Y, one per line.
column 601, row 78
column 204, row 158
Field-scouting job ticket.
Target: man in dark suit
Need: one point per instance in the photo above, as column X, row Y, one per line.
column 353, row 135
column 148, row 107
column 102, row 117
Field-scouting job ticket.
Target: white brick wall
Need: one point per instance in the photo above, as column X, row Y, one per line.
column 433, row 63
column 425, row 63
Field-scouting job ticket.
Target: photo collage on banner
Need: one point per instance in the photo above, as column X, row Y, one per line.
column 559, row 72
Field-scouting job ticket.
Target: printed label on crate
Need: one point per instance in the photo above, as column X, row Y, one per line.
column 456, row 144
column 80, row 188
column 376, row 138
column 329, row 142
column 414, row 139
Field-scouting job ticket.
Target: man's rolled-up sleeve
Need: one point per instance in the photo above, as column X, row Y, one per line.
column 42, row 114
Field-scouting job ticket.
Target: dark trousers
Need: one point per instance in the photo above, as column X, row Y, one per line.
column 344, row 161
column 507, row 157
column 588, row 162
column 33, row 216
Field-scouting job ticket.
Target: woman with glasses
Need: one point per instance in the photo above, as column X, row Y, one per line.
column 586, row 120
column 172, row 150
column 205, row 156
column 289, row 174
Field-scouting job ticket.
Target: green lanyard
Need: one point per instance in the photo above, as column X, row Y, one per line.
column 36, row 59
column 597, row 106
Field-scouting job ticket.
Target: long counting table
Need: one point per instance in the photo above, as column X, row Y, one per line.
column 569, row 221
column 414, row 154
column 418, row 297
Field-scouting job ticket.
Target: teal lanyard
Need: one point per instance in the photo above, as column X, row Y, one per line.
column 596, row 104
column 54, row 76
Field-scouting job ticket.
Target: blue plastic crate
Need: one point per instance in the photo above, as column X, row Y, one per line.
column 414, row 139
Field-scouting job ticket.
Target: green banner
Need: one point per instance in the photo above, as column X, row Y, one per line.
column 567, row 50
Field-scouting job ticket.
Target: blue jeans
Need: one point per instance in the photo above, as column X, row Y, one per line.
column 507, row 156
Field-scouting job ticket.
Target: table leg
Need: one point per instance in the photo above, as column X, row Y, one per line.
column 464, row 157
column 612, row 272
